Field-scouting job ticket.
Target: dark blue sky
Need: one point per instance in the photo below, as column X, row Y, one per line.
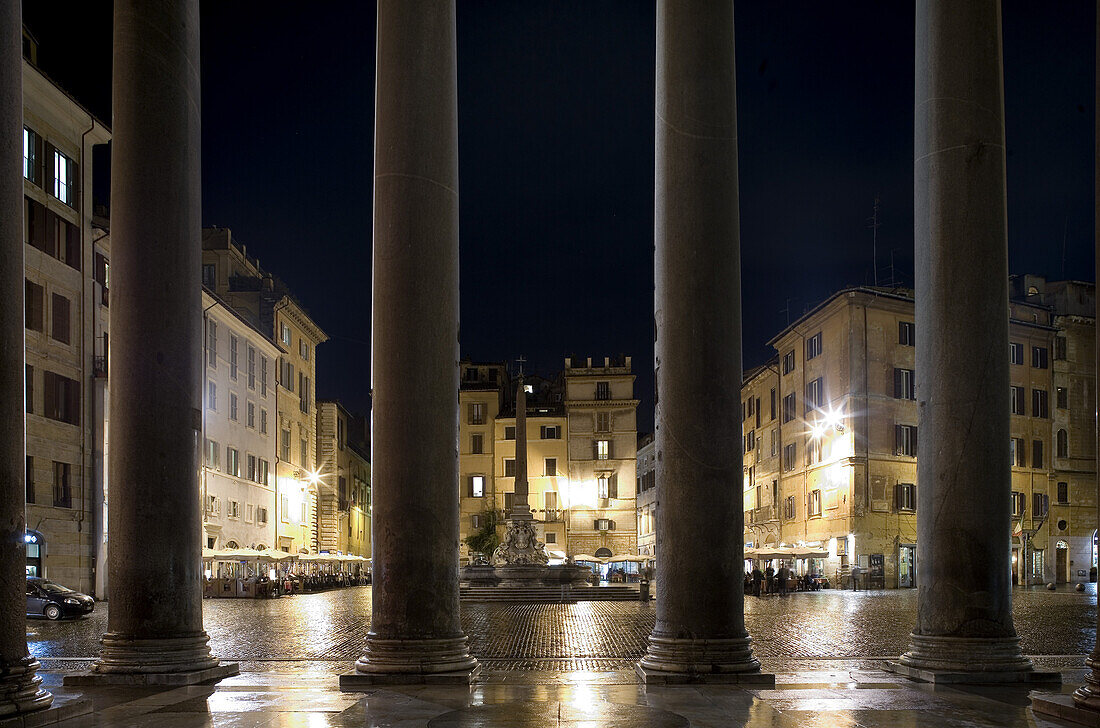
column 556, row 157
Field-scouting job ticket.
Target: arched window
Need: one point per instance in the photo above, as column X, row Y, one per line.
column 603, row 553
column 232, row 545
column 1061, row 444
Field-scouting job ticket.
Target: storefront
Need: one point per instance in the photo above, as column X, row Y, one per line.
column 36, row 552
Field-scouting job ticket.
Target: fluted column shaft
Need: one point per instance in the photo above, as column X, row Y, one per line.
column 700, row 625
column 155, row 620
column 19, row 691
column 415, row 628
column 964, row 612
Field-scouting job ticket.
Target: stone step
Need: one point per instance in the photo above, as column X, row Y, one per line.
column 547, row 594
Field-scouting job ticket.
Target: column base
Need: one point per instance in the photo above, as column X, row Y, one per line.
column 154, row 661
column 445, row 661
column 967, row 660
column 1066, row 707
column 20, row 689
column 671, row 661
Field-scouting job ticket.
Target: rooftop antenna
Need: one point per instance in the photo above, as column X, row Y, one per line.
column 874, row 240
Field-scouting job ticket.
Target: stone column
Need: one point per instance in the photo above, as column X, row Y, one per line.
column 521, row 508
column 416, row 635
column 964, row 629
column 19, row 691
column 155, row 633
column 700, row 629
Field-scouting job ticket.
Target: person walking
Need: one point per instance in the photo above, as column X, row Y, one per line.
column 784, row 576
column 856, row 574
column 757, row 580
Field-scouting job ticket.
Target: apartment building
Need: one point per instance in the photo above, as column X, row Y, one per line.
column 67, row 333
column 480, row 397
column 344, row 481
column 646, row 489
column 266, row 302
column 238, row 479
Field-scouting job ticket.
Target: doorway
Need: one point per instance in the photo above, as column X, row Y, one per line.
column 907, row 561
column 1061, row 562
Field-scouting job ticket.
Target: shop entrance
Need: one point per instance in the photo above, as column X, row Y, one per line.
column 36, row 546
column 907, row 561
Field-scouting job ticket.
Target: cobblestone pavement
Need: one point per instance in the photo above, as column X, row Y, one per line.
column 825, row 625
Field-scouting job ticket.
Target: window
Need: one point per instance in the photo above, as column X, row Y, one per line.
column 284, row 509
column 788, row 407
column 509, row 502
column 1040, row 504
column 1016, row 353
column 1016, row 452
column 1036, row 453
column 603, row 422
column 286, row 374
column 60, row 329
column 64, row 182
column 904, row 384
column 813, row 451
column 284, row 334
column 1039, row 357
column 212, row 343
column 30, row 479
column 815, row 394
column 475, row 521
column 1039, row 404
column 509, row 432
column 747, row 409
column 261, row 515
column 1059, row 348
column 303, row 452
column 789, row 508
column 477, row 444
column 550, row 432
column 211, row 454
column 28, row 396
column 251, row 472
column 550, row 500
column 263, row 421
column 603, row 449
column 248, row 513
column 1061, row 398
column 62, row 487
column 284, row 446
column 750, row 441
column 775, row 493
column 1063, row 493
column 509, row 467
column 906, row 497
column 263, row 376
column 1017, row 400
column 813, row 346
column 234, row 509
column 61, row 397
column 1061, row 444
column 551, row 537
column 771, row 402
column 789, row 453
column 32, row 157
column 476, row 413
column 232, row 406
column 208, row 275
column 477, row 486
column 212, row 505
column 303, row 393
column 250, row 414
column 602, row 524
column 303, row 349
column 264, row 477
column 905, row 440
column 1019, row 503
column 232, row 461
column 603, row 486
column 905, row 333
column 550, row 467
column 814, row 506
column 788, row 362
column 775, row 442
column 233, row 357
column 35, row 297
column 603, row 390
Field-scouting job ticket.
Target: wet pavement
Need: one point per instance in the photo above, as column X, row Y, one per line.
column 807, row 626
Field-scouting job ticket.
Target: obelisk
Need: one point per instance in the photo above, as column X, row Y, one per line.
column 521, row 508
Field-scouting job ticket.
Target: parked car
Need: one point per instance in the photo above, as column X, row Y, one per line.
column 53, row 601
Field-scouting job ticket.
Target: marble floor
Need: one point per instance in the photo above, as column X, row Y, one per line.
column 842, row 694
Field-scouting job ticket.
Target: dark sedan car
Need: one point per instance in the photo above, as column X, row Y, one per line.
column 53, row 601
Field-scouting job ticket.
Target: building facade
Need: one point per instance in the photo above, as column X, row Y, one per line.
column 265, row 301
column 344, row 483
column 581, row 493
column 646, row 489
column 238, row 475
column 67, row 334
column 831, row 439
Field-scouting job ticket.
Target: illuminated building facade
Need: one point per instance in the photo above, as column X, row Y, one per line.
column 646, row 489
column 66, row 255
column 581, row 493
column 343, row 486
column 239, row 408
column 262, row 299
column 831, row 439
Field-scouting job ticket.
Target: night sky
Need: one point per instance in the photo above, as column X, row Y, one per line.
column 556, row 159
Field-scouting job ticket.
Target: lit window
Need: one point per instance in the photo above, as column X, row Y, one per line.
column 63, row 178
column 30, row 155
column 603, row 486
column 603, row 449
column 285, row 334
column 1016, row 353
column 477, row 486
column 813, row 346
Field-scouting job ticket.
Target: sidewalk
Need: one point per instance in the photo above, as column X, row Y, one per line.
column 822, row 694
